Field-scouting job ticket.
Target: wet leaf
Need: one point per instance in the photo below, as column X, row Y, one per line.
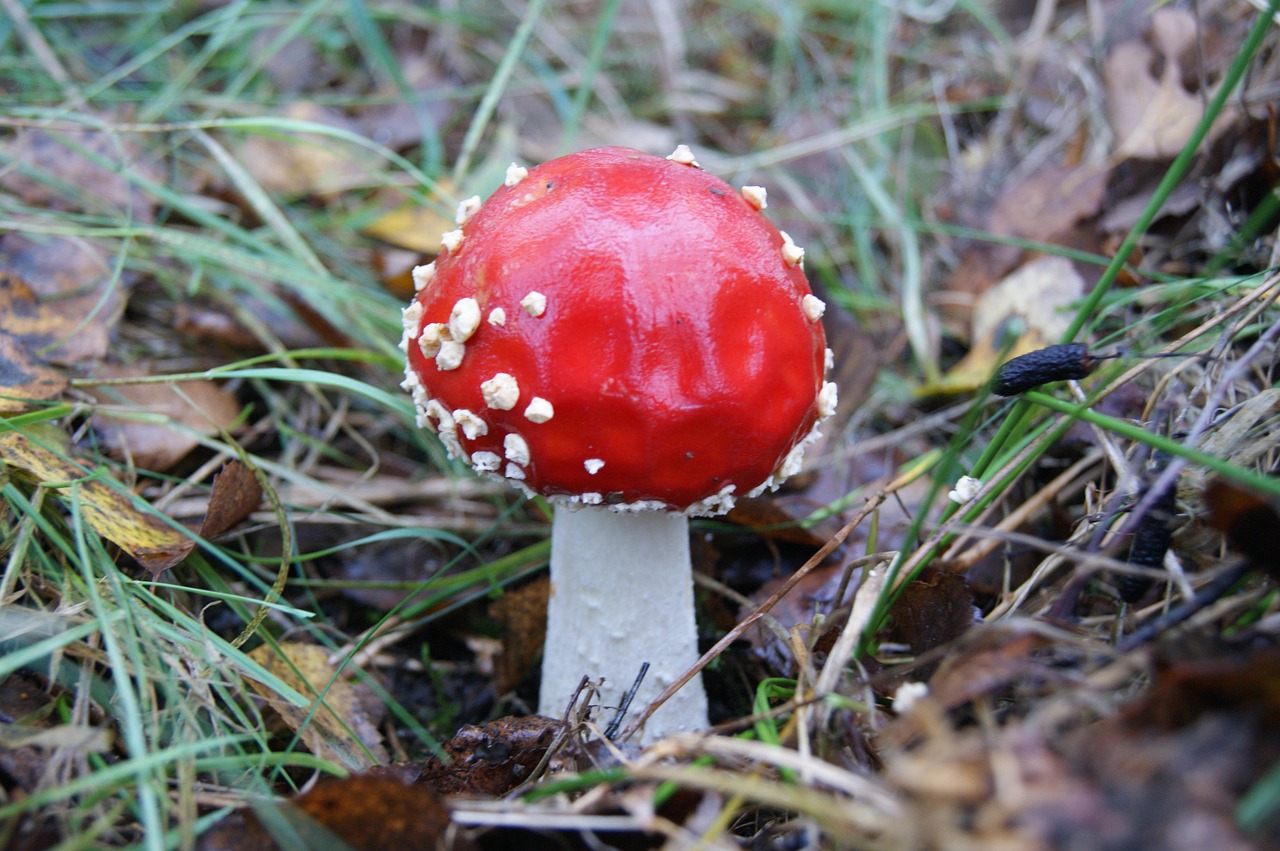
column 23, row 379
column 341, row 729
column 366, row 812
column 174, row 416
column 108, row 510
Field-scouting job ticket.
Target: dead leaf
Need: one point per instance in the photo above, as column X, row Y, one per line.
column 341, row 730
column 58, row 171
column 1153, row 117
column 1249, row 521
column 522, row 614
column 1037, row 299
column 413, row 226
column 306, row 163
column 234, row 495
column 491, row 759
column 1048, row 203
column 23, row 379
column 363, row 812
column 932, row 611
column 185, row 410
column 58, row 297
column 108, row 510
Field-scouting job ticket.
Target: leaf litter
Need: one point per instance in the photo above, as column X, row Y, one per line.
column 995, row 705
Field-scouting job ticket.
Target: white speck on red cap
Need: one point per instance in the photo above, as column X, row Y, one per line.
column 422, row 276
column 452, row 240
column 516, row 449
column 684, row 155
column 756, row 196
column 534, row 304
column 486, row 462
column 539, row 410
column 514, row 471
column 450, row 355
column 497, row 317
column 792, row 254
column 431, row 339
column 467, row 209
column 472, row 426
column 813, row 307
column 593, row 465
column 464, row 319
column 515, row 174
column 500, row 392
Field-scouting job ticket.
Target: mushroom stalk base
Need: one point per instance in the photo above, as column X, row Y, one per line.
column 622, row 595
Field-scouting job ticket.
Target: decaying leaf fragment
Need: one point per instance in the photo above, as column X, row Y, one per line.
column 23, row 379
column 340, row 730
column 107, row 509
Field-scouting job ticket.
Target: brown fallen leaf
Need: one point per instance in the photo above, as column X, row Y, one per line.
column 491, row 759
column 23, row 379
column 1154, row 116
column 39, row 450
column 234, row 495
column 364, row 812
column 307, row 163
column 59, row 297
column 341, row 730
column 188, row 410
column 522, row 614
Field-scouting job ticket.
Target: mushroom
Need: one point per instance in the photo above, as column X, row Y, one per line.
column 659, row 354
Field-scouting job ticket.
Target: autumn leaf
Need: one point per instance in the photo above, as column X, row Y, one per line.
column 340, row 730
column 23, row 379
column 108, row 510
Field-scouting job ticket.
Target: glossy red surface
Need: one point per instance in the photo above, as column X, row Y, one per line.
column 674, row 346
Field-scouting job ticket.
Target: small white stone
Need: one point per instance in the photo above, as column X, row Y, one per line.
column 827, row 398
column 813, row 307
column 450, row 355
column 515, row 174
column 593, row 465
column 516, row 449
column 683, row 155
column 967, row 488
column 534, row 304
column 500, row 392
column 452, row 241
column 423, row 275
column 432, row 336
column 908, row 695
column 792, row 254
column 539, row 410
column 467, row 209
column 514, row 471
column 756, row 196
column 464, row 319
column 472, row 426
column 497, row 317
column 485, row 461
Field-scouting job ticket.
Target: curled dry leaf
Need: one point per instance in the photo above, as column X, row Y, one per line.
column 235, row 495
column 108, row 509
column 342, row 729
column 491, row 759
column 188, row 410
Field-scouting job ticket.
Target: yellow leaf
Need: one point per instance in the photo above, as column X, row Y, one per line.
column 110, row 512
column 412, row 226
column 340, row 730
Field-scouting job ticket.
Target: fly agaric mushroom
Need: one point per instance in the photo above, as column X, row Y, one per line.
column 629, row 337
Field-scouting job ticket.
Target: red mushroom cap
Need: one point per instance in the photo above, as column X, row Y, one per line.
column 617, row 328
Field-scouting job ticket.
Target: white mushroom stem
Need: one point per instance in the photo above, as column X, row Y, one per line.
column 622, row 595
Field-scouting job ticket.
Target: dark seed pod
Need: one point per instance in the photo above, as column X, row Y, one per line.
column 1052, row 363
column 1150, row 542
